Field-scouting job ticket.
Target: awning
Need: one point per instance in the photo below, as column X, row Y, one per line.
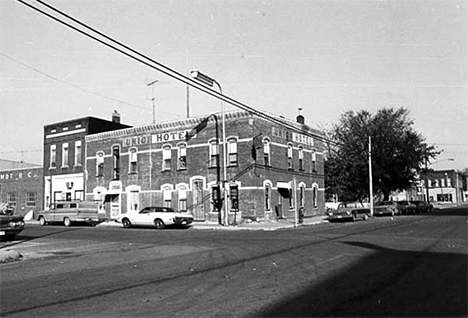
column 284, row 185
column 284, row 188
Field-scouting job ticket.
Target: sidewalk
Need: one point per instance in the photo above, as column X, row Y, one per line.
column 253, row 225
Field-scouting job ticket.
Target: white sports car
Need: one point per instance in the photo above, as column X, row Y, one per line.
column 158, row 217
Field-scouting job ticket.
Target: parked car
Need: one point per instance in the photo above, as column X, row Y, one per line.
column 69, row 212
column 10, row 225
column 422, row 206
column 386, row 208
column 157, row 217
column 349, row 211
column 407, row 207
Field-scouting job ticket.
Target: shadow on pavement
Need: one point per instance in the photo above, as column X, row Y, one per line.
column 387, row 283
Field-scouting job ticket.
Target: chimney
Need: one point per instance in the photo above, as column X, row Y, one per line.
column 116, row 117
column 300, row 119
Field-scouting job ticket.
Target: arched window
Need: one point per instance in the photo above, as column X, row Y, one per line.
column 167, row 197
column 182, row 198
column 214, row 154
column 100, row 164
column 166, row 164
column 290, row 157
column 301, row 158
column 132, row 165
column 116, row 162
column 267, row 197
column 314, row 161
column 315, row 195
column 232, row 152
column 266, row 152
column 182, row 155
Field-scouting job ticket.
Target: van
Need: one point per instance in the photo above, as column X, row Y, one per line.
column 68, row 212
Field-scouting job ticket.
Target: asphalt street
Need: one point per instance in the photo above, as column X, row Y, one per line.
column 411, row 266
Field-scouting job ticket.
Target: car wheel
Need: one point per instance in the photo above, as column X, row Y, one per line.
column 42, row 221
column 126, row 223
column 159, row 224
column 66, row 222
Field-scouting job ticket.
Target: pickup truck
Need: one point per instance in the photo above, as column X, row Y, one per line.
column 69, row 212
column 10, row 225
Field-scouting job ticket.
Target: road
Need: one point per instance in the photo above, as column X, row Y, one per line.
column 412, row 266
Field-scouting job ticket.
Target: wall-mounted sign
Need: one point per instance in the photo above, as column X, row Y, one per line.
column 136, row 141
column 292, row 136
column 18, row 175
column 169, row 136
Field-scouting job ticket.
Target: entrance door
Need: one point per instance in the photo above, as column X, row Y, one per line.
column 112, row 203
column 197, row 196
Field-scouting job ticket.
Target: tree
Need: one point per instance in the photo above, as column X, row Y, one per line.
column 398, row 153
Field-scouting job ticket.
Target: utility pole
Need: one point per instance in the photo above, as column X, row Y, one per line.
column 371, row 194
column 152, row 85
column 425, row 174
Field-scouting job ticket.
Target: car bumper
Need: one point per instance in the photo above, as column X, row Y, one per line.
column 339, row 216
column 183, row 221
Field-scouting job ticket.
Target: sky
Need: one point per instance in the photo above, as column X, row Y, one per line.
column 326, row 57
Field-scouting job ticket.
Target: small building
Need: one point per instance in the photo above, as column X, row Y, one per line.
column 21, row 187
column 271, row 170
column 444, row 186
column 64, row 155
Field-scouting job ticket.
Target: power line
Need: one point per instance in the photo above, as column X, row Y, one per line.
column 162, row 68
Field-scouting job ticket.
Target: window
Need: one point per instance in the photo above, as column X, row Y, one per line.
column 315, row 195
column 214, row 154
column 291, row 198
column 301, row 195
column 116, row 162
column 53, row 156
column 31, row 198
column 132, row 161
column 442, row 182
column 78, row 153
column 11, row 199
column 182, row 162
column 290, row 157
column 266, row 152
column 449, row 182
column 215, row 198
column 314, row 161
column 79, row 195
column 166, row 158
column 65, row 154
column 182, row 199
column 232, row 152
column 267, row 197
column 100, row 164
column 301, row 159
column 167, row 197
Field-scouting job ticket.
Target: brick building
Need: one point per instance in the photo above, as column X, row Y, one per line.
column 273, row 167
column 21, row 188
column 64, row 155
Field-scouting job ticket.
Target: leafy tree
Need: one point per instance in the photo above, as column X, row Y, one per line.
column 398, row 154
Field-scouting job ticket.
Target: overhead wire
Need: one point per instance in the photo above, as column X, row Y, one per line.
column 164, row 69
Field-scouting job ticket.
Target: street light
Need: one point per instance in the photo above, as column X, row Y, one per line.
column 205, row 79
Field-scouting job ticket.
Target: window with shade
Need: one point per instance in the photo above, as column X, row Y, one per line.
column 166, row 158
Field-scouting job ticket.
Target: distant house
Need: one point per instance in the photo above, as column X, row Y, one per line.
column 444, row 186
